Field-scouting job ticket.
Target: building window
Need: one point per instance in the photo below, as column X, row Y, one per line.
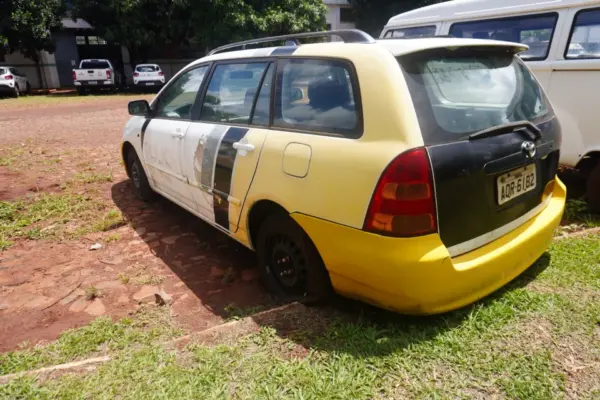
column 80, row 39
column 96, row 40
column 585, row 37
column 346, row 15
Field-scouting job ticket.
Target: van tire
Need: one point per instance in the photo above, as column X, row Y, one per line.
column 303, row 276
column 593, row 189
column 139, row 180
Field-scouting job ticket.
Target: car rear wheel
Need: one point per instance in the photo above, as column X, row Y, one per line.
column 290, row 265
column 17, row 91
column 593, row 189
column 141, row 186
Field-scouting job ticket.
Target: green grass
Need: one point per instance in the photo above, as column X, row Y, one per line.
column 520, row 343
column 578, row 213
column 62, row 215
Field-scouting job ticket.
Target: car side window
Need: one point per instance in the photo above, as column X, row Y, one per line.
column 261, row 114
column 585, row 36
column 178, row 99
column 317, row 95
column 231, row 92
column 14, row 71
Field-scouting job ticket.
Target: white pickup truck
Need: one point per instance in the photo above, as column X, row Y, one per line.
column 94, row 74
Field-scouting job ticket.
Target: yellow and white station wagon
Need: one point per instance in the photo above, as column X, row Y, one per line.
column 415, row 174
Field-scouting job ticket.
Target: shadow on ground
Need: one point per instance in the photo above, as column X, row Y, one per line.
column 220, row 272
column 344, row 326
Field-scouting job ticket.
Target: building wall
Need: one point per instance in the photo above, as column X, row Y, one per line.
column 28, row 67
column 334, row 20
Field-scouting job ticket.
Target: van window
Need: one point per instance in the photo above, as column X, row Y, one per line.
column 457, row 93
column 231, row 92
column 316, row 95
column 536, row 31
column 585, row 37
column 408, row 33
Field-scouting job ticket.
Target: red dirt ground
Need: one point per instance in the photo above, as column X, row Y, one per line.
column 43, row 282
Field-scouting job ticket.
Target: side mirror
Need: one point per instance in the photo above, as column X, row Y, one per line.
column 139, row 107
column 297, row 94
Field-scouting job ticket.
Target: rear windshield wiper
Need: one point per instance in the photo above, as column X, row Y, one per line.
column 523, row 126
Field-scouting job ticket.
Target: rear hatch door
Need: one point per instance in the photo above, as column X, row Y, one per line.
column 492, row 139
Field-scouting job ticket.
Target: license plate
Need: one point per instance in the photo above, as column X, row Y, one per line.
column 516, row 183
column 93, row 82
column 149, row 83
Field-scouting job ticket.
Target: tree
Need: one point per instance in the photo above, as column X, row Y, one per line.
column 372, row 15
column 240, row 20
column 25, row 26
column 137, row 24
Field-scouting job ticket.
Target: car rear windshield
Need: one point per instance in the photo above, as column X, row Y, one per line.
column 94, row 65
column 457, row 92
column 147, row 68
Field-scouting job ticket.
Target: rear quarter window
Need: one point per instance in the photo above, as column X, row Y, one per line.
column 457, row 93
column 319, row 96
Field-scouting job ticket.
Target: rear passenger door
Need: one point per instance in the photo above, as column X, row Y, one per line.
column 223, row 144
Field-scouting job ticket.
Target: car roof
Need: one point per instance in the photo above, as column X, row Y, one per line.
column 467, row 9
column 397, row 47
column 146, row 65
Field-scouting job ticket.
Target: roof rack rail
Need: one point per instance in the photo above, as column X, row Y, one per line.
column 347, row 35
column 421, row 37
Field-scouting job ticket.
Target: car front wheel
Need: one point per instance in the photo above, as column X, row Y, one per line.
column 593, row 189
column 141, row 186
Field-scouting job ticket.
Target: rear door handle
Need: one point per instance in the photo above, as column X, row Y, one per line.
column 243, row 147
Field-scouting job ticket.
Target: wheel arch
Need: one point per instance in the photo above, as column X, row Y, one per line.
column 257, row 214
column 588, row 162
column 126, row 147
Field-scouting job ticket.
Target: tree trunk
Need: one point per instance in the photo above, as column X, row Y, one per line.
column 41, row 79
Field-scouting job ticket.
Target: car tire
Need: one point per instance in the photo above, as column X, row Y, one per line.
column 593, row 189
column 17, row 92
column 139, row 180
column 289, row 263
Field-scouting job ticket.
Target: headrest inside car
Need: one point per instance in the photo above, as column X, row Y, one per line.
column 326, row 94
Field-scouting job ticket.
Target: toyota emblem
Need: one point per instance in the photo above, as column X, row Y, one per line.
column 528, row 149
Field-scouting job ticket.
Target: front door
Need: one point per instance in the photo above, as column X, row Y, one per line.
column 164, row 137
column 222, row 149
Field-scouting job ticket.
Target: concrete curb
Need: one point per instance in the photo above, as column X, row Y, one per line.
column 56, row 368
column 227, row 331
column 588, row 231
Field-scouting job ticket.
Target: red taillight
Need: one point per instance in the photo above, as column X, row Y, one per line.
column 74, row 76
column 107, row 74
column 404, row 201
column 135, row 74
column 8, row 77
column 160, row 73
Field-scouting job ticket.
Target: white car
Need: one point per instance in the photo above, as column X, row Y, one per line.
column 12, row 81
column 148, row 75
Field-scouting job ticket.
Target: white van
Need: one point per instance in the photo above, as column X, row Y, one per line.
column 564, row 53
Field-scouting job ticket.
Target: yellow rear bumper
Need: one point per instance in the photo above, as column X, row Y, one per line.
column 417, row 275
